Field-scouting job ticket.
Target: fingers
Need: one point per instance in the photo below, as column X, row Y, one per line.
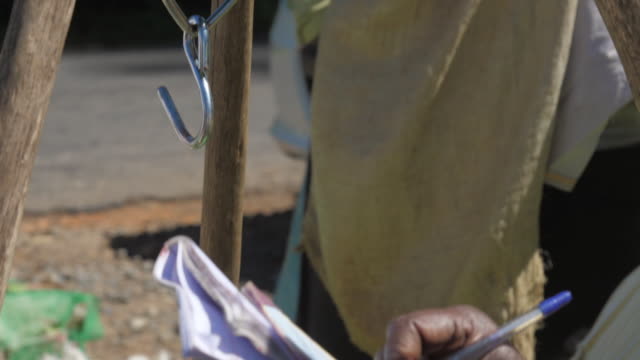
column 503, row 352
column 403, row 339
column 426, row 332
column 433, row 333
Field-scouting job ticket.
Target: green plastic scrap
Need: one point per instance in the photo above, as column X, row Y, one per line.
column 35, row 322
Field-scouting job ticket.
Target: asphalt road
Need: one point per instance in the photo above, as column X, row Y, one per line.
column 106, row 139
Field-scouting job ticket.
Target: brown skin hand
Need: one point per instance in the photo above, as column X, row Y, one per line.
column 434, row 333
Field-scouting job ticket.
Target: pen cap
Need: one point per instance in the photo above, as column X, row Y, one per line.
column 555, row 302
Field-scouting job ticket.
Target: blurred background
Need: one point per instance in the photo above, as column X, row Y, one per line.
column 112, row 181
column 121, row 24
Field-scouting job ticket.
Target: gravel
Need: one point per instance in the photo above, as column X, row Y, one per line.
column 138, row 313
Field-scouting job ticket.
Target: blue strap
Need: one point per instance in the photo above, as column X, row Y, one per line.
column 287, row 294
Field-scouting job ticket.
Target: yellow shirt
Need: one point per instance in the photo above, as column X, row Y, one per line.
column 595, row 88
column 431, row 127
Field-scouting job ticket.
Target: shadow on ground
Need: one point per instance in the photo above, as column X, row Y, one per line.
column 263, row 243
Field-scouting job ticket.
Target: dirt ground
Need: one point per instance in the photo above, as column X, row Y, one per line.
column 110, row 253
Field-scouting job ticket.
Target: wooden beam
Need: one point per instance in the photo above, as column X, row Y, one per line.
column 30, row 54
column 221, row 232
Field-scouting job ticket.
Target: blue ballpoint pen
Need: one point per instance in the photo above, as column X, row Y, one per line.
column 502, row 335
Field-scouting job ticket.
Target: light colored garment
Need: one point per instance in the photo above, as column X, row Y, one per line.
column 292, row 124
column 431, row 126
column 594, row 89
column 616, row 333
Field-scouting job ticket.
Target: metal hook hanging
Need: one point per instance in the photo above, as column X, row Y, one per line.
column 182, row 21
column 198, row 61
column 194, row 28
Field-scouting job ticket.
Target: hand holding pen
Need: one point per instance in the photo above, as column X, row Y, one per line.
column 460, row 332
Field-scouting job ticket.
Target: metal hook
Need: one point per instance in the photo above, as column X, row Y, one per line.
column 194, row 27
column 198, row 61
column 221, row 11
column 182, row 21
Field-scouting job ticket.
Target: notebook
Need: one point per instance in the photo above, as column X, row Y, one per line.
column 218, row 321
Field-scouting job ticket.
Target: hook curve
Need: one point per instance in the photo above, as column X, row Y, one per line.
column 197, row 57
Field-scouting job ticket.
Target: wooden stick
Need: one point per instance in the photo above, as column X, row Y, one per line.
column 30, row 54
column 622, row 18
column 221, row 232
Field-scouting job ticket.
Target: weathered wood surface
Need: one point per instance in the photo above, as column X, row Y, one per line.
column 30, row 55
column 221, row 232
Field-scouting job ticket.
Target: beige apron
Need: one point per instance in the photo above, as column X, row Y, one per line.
column 431, row 126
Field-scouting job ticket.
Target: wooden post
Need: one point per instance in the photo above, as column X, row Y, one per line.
column 622, row 18
column 221, row 232
column 28, row 60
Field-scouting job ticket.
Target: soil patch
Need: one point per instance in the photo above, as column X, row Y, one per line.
column 109, row 253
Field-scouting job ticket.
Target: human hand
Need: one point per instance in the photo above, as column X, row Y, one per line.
column 434, row 333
